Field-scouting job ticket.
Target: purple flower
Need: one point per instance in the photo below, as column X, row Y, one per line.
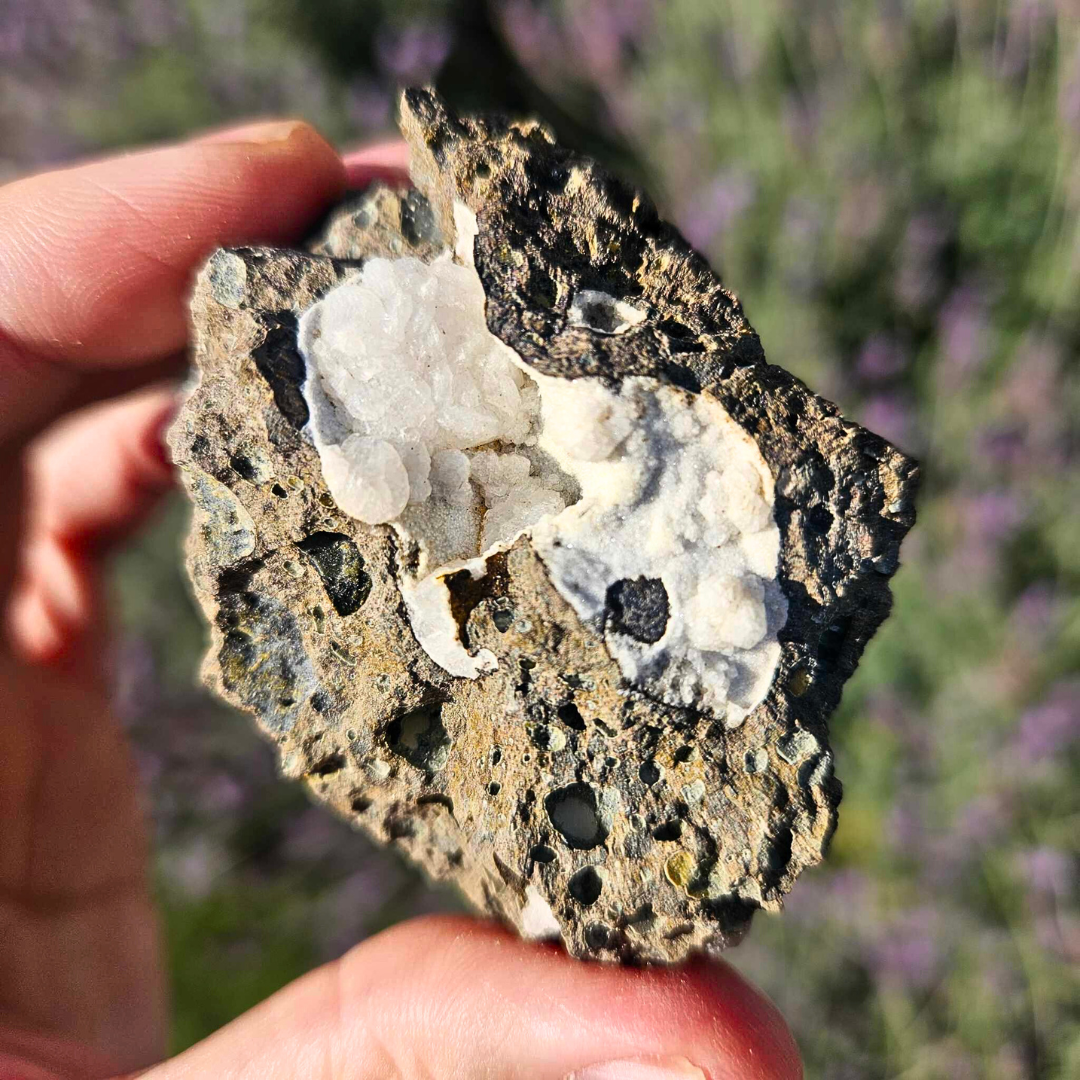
column 801, row 232
column 906, row 951
column 918, row 276
column 414, row 52
column 862, row 209
column 31, row 31
column 136, row 687
column 802, row 222
column 882, row 357
column 535, row 36
column 1033, row 385
column 1027, row 21
column 311, row 836
column 905, row 827
column 155, row 22
column 889, row 415
column 601, row 30
column 981, row 820
column 220, row 794
column 992, row 515
column 1036, row 610
column 1048, row 871
column 964, row 332
column 1051, row 725
column 822, row 894
column 948, row 856
column 890, row 711
column 228, row 22
column 15, row 28
column 802, row 120
column 347, row 910
column 957, row 1064
column 368, row 105
column 715, row 209
column 1058, row 933
column 1002, row 444
column 886, row 709
column 1069, row 94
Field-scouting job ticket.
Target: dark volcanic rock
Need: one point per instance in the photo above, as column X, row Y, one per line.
column 560, row 796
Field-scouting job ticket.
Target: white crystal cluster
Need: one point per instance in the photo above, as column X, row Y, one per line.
column 424, row 419
column 671, row 490
column 417, row 384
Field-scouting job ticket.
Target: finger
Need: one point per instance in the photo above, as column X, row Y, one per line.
column 388, row 161
column 51, row 606
column 91, row 479
column 96, row 260
column 95, row 474
column 454, row 998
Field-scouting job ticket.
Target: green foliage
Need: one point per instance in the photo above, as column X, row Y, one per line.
column 230, row 950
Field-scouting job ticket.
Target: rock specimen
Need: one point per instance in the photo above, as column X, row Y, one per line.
column 523, row 555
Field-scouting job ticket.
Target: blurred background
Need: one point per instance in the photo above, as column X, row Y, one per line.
column 893, row 189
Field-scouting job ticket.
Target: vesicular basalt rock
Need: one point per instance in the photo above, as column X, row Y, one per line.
column 523, row 555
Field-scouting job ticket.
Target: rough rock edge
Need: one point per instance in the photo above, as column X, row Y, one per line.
column 308, row 627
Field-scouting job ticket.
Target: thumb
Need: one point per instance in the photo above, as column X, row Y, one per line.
column 452, row 998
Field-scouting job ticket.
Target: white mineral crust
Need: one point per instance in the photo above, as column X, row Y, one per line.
column 423, row 419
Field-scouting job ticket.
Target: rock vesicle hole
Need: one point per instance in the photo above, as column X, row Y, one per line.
column 597, row 936
column 575, row 814
column 341, row 567
column 571, row 716
column 541, row 853
column 420, row 737
column 669, row 831
column 649, row 773
column 586, row 885
column 603, row 313
column 639, row 608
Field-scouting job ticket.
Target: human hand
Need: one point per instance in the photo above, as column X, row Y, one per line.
column 95, row 265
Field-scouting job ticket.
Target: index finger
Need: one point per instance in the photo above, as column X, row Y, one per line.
column 96, row 261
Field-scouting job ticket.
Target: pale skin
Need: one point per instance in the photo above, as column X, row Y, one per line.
column 95, row 265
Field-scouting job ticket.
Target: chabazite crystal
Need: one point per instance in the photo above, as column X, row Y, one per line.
column 523, row 555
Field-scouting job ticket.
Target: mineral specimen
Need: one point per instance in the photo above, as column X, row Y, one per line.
column 523, row 555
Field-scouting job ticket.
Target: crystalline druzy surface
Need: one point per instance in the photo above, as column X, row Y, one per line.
column 642, row 490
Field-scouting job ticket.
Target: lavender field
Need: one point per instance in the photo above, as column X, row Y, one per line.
column 893, row 189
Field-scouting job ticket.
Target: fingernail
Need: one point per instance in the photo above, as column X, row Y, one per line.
column 646, row 1068
column 265, row 133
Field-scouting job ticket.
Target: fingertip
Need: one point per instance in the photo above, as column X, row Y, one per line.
column 752, row 1020
column 160, row 406
column 386, row 161
column 393, row 153
column 258, row 132
column 308, row 150
column 96, row 474
column 287, row 168
column 34, row 630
